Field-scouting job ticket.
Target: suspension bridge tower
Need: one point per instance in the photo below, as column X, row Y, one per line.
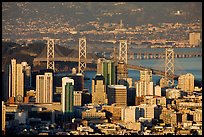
column 122, row 71
column 50, row 54
column 82, row 55
column 123, row 51
column 169, row 65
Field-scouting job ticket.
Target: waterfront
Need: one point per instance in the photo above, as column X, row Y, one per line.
column 181, row 67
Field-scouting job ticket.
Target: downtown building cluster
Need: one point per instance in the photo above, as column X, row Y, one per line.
column 43, row 102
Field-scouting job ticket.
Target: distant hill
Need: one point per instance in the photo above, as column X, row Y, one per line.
column 133, row 13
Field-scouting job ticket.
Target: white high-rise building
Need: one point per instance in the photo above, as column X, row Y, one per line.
column 145, row 85
column 144, row 88
column 13, row 78
column 17, row 80
column 44, row 88
column 20, row 81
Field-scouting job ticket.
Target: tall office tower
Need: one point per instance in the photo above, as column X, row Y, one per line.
column 17, row 81
column 44, row 88
column 122, row 71
column 67, row 97
column 117, row 94
column 99, row 90
column 107, row 69
column 27, row 76
column 20, row 81
column 194, row 39
column 186, row 82
column 3, row 114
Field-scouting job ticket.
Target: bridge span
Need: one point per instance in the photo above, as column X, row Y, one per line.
column 154, row 71
column 65, row 59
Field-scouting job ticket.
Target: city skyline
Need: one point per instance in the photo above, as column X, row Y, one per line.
column 76, row 68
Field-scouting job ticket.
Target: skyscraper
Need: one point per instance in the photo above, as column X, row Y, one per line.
column 107, row 69
column 122, row 71
column 44, row 88
column 67, row 97
column 186, row 82
column 117, row 94
column 13, row 78
column 27, row 76
column 17, row 81
column 20, row 81
column 99, row 90
column 145, row 85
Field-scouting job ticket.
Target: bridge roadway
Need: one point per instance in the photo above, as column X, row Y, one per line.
column 155, row 72
column 65, row 59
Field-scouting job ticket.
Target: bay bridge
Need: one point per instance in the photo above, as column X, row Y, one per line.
column 54, row 54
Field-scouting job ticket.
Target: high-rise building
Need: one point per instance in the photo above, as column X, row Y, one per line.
column 20, row 81
column 44, row 88
column 145, row 85
column 122, row 71
column 13, row 78
column 67, row 96
column 27, row 76
column 3, row 114
column 99, row 90
column 194, row 39
column 143, row 88
column 16, row 81
column 107, row 69
column 186, row 82
column 117, row 94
